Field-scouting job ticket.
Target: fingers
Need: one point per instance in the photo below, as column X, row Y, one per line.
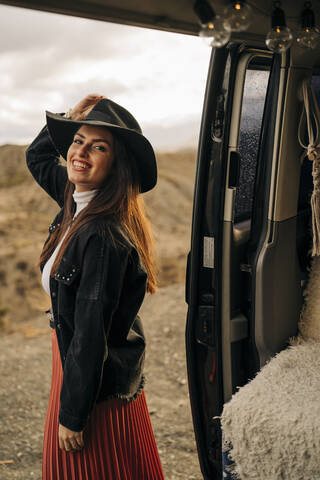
column 73, row 444
column 94, row 96
column 69, row 440
column 79, row 440
column 90, row 99
column 81, row 107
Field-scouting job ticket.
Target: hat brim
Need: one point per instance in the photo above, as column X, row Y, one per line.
column 62, row 131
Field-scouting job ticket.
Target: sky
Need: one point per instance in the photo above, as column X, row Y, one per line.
column 49, row 62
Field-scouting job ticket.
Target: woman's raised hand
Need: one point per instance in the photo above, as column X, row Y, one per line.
column 80, row 110
column 69, row 440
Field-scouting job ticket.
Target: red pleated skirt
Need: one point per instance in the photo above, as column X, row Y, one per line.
column 119, row 440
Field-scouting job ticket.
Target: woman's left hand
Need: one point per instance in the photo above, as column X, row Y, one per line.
column 69, row 440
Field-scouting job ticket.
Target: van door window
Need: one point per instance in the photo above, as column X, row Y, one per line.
column 255, row 89
column 256, row 79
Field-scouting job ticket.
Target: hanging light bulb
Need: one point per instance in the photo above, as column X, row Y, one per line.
column 214, row 33
column 280, row 38
column 213, row 30
column 238, row 16
column 309, row 35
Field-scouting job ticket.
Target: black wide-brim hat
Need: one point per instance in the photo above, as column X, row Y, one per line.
column 121, row 123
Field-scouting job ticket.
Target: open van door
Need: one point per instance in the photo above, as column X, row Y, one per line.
column 244, row 276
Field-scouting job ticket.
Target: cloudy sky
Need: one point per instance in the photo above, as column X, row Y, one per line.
column 49, row 62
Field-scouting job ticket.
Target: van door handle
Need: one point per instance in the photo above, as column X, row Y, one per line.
column 239, row 328
column 234, row 169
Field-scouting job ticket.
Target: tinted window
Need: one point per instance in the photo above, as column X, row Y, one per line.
column 255, row 89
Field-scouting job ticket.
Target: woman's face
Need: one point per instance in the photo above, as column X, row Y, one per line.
column 90, row 157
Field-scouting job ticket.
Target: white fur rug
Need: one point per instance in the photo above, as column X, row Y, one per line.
column 273, row 422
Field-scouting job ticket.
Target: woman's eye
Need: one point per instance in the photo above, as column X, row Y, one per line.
column 100, row 147
column 76, row 140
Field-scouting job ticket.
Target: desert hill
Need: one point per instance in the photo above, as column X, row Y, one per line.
column 26, row 212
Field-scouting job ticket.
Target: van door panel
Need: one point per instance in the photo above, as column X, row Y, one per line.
column 278, row 296
column 218, row 335
column 277, row 270
column 203, row 330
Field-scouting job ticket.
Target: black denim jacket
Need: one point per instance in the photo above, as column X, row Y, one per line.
column 96, row 295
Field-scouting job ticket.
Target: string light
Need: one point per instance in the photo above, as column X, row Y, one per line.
column 213, row 28
column 279, row 38
column 216, row 31
column 308, row 36
column 238, row 16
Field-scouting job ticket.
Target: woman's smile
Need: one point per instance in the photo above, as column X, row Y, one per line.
column 80, row 165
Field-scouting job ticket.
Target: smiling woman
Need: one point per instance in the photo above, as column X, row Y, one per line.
column 90, row 157
column 97, row 264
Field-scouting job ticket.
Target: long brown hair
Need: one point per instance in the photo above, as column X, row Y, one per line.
column 118, row 200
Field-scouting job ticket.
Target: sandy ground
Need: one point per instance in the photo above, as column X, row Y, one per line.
column 26, row 372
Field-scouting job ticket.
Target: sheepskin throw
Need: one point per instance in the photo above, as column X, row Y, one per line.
column 309, row 324
column 272, row 424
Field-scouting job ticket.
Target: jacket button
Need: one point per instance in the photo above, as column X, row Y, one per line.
column 54, row 294
column 59, row 325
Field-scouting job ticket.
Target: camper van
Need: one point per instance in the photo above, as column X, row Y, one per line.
column 252, row 221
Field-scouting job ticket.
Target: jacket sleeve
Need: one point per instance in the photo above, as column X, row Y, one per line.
column 43, row 163
column 98, row 294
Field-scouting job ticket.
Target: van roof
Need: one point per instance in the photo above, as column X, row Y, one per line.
column 177, row 15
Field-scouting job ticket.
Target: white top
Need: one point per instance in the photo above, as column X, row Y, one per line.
column 81, row 199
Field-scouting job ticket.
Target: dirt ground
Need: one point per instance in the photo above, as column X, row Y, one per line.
column 26, row 372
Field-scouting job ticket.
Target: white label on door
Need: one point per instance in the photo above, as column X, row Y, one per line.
column 208, row 252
